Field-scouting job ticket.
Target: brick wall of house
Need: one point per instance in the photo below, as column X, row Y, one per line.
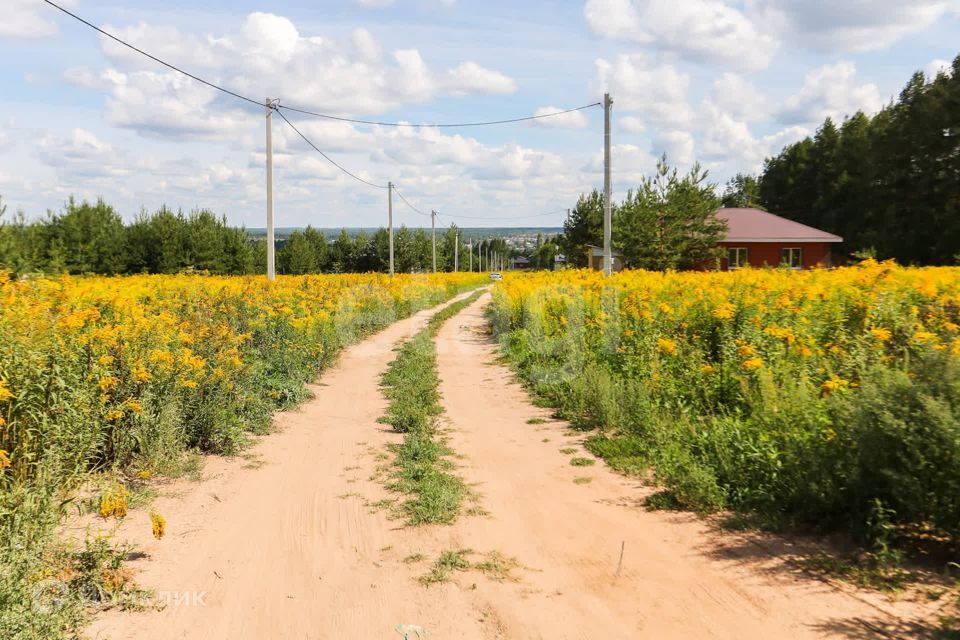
column 762, row 254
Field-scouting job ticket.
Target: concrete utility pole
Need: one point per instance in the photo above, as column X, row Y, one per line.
column 471, row 256
column 433, row 226
column 456, row 251
column 607, row 217
column 390, row 221
column 271, row 267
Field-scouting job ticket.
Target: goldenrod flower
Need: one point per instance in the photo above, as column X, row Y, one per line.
column 666, row 345
column 158, row 524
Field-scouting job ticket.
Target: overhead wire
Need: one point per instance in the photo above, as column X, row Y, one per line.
column 407, row 202
column 154, row 58
column 277, row 106
column 441, row 125
column 307, row 111
column 328, row 158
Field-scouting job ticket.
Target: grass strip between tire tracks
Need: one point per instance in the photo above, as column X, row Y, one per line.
column 421, row 469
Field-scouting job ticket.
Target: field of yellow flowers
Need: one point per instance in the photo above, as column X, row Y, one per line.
column 823, row 398
column 125, row 374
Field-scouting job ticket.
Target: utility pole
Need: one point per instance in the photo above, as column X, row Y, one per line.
column 390, row 221
column 271, row 267
column 456, row 251
column 607, row 217
column 433, row 226
column 471, row 256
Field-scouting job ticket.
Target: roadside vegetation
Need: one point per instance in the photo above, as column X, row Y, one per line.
column 823, row 400
column 106, row 383
column 421, row 468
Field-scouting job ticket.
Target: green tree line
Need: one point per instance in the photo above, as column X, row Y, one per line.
column 889, row 184
column 93, row 238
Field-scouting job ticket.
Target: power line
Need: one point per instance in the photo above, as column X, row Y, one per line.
column 407, row 202
column 154, row 58
column 306, row 111
column 328, row 158
column 442, row 125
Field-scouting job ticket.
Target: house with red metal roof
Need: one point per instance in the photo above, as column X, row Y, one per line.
column 757, row 238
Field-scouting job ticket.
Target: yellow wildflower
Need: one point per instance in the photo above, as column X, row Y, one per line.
column 666, row 345
column 4, row 460
column 5, row 393
column 159, row 525
column 881, row 333
column 105, row 361
column 724, row 311
column 752, row 363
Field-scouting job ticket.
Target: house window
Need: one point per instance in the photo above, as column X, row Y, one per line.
column 791, row 257
column 737, row 257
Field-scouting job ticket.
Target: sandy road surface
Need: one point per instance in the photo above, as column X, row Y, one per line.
column 286, row 544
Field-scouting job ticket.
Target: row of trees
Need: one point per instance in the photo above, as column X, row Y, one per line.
column 92, row 238
column 888, row 184
column 309, row 251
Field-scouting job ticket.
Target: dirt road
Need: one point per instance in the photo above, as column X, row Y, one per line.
column 288, row 543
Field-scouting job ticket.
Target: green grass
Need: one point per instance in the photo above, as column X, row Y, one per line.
column 568, row 451
column 583, row 480
column 421, row 468
column 494, row 565
column 446, row 564
column 582, row 462
column 536, row 421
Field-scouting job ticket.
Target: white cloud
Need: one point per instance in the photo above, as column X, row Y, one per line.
column 369, row 49
column 658, row 93
column 374, row 3
column 739, row 97
column 471, row 78
column 83, row 155
column 631, row 124
column 570, row 120
column 320, row 74
column 30, row 18
column 830, row 91
column 834, row 26
column 707, row 31
column 677, row 145
column 629, row 163
column 937, row 66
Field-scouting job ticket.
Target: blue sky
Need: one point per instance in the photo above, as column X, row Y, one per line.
column 720, row 82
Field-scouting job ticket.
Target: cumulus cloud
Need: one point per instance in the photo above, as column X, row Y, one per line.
column 739, row 97
column 937, row 66
column 631, row 124
column 708, row 31
column 29, row 18
column 677, row 145
column 571, row 120
column 366, row 46
column 321, row 74
column 830, row 26
column 830, row 91
column 656, row 92
column 471, row 78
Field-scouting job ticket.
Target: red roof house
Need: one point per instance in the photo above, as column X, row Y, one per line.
column 757, row 238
